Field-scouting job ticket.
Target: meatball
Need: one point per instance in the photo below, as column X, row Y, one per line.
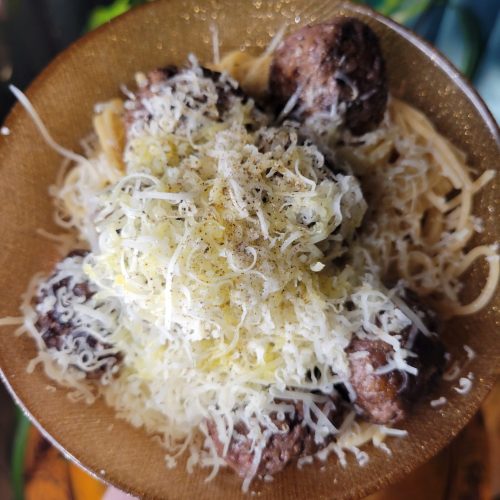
column 63, row 328
column 334, row 64
column 386, row 398
column 227, row 91
column 295, row 440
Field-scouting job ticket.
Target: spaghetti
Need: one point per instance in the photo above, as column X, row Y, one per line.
column 188, row 179
column 420, row 194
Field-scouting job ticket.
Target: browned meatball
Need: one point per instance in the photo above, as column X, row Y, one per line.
column 227, row 91
column 297, row 440
column 386, row 398
column 334, row 63
column 59, row 322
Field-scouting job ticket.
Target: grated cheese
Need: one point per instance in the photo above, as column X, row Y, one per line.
column 213, row 260
column 464, row 385
column 438, row 402
column 471, row 354
column 90, row 318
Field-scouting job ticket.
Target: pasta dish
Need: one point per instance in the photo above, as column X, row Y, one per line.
column 260, row 253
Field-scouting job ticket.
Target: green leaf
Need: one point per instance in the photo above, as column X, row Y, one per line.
column 471, row 30
column 388, row 7
column 18, row 453
column 410, row 10
column 103, row 14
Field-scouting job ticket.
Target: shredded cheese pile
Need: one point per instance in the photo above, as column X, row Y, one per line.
column 420, row 191
column 420, row 221
column 81, row 347
column 219, row 236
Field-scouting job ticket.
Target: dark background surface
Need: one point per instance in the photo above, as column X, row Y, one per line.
column 32, row 32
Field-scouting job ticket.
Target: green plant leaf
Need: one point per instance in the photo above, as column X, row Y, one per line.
column 18, row 453
column 388, row 7
column 471, row 30
column 103, row 14
column 410, row 10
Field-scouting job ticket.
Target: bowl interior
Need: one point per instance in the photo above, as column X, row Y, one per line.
column 161, row 33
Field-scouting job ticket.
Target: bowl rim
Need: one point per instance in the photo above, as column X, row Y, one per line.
column 430, row 52
column 439, row 59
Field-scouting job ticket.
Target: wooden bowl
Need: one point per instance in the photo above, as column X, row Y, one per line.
column 91, row 70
